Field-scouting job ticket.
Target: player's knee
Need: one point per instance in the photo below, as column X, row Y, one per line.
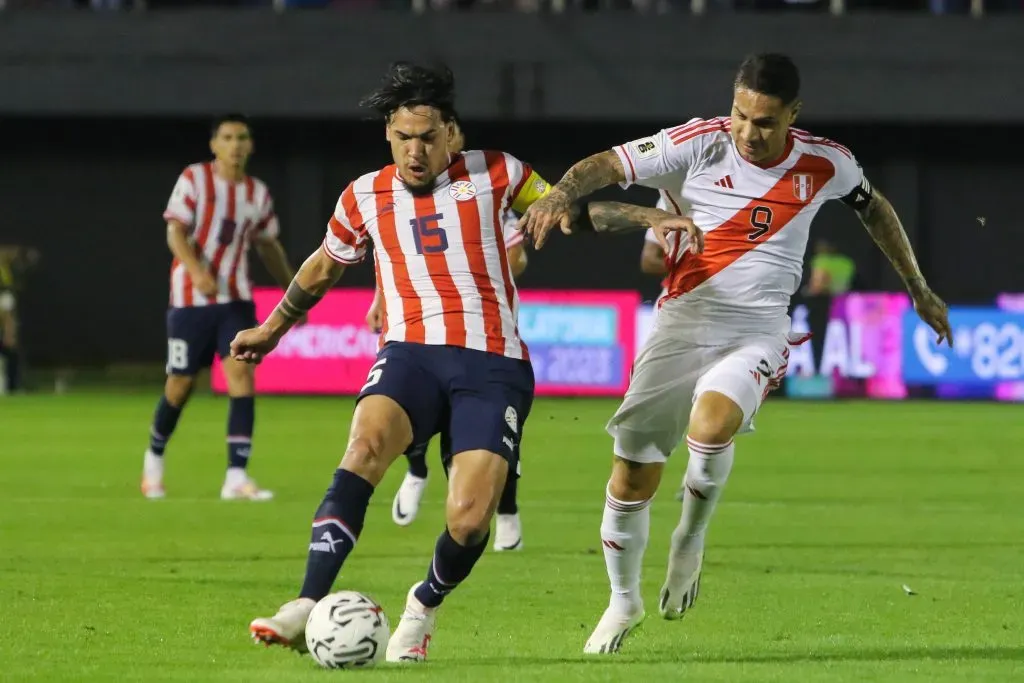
column 241, row 377
column 471, row 527
column 178, row 388
column 469, row 518
column 634, row 481
column 365, row 456
column 715, row 418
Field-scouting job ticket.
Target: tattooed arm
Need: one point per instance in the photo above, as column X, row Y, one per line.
column 613, row 217
column 616, row 217
column 882, row 223
column 591, row 174
column 587, row 176
column 885, row 229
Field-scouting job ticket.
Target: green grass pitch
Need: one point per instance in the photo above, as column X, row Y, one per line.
column 830, row 510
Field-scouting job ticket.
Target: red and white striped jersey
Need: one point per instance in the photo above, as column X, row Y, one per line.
column 223, row 218
column 441, row 258
column 756, row 219
column 510, row 229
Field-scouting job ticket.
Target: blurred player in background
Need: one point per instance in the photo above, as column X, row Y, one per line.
column 15, row 262
column 452, row 360
column 720, row 341
column 215, row 213
column 508, row 531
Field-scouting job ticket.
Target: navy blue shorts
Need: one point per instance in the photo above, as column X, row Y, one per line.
column 195, row 333
column 475, row 399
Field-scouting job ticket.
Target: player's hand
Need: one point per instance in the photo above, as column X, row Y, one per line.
column 544, row 215
column 375, row 317
column 664, row 226
column 253, row 345
column 206, row 283
column 933, row 311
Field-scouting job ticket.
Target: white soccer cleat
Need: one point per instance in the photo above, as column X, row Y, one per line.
column 681, row 585
column 153, row 476
column 287, row 627
column 612, row 630
column 411, row 639
column 407, row 501
column 242, row 487
column 508, row 533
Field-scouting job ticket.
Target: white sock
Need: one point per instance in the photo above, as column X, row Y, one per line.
column 236, row 476
column 706, row 473
column 625, row 529
column 153, row 466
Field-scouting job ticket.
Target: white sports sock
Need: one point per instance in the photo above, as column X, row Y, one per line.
column 153, row 466
column 625, row 529
column 706, row 473
column 235, row 476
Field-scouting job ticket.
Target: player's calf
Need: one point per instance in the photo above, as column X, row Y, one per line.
column 165, row 419
column 477, row 478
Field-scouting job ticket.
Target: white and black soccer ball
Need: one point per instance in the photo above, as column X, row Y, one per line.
column 347, row 630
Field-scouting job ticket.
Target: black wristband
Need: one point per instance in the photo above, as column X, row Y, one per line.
column 297, row 302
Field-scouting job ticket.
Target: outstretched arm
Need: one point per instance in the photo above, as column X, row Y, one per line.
column 614, row 217
column 309, row 285
column 882, row 223
column 617, row 217
column 589, row 175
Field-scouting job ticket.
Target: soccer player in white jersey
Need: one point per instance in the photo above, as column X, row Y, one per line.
column 508, row 530
column 215, row 214
column 720, row 341
column 452, row 360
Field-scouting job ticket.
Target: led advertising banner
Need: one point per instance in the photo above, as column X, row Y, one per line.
column 581, row 343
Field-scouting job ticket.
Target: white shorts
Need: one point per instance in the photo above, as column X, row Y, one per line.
column 670, row 374
column 6, row 302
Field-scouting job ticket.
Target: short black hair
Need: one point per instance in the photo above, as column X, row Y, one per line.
column 410, row 85
column 231, row 117
column 770, row 74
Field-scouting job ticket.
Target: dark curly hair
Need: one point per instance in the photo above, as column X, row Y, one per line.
column 410, row 85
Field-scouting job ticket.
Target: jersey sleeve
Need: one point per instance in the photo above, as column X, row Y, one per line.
column 670, row 151
column 525, row 185
column 181, row 206
column 268, row 227
column 849, row 185
column 346, row 237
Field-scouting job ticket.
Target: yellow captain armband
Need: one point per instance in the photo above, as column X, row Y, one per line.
column 533, row 189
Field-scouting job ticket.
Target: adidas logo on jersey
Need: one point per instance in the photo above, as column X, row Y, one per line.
column 725, row 182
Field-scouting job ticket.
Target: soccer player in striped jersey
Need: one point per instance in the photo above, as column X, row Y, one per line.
column 508, row 531
column 720, row 341
column 215, row 214
column 452, row 361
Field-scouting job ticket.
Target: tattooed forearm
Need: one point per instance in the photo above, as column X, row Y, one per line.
column 885, row 228
column 615, row 217
column 591, row 174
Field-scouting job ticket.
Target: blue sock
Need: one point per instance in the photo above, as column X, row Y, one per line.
column 417, row 457
column 164, row 421
column 451, row 565
column 241, row 417
column 336, row 527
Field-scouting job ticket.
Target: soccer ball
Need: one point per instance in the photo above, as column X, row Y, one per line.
column 347, row 629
